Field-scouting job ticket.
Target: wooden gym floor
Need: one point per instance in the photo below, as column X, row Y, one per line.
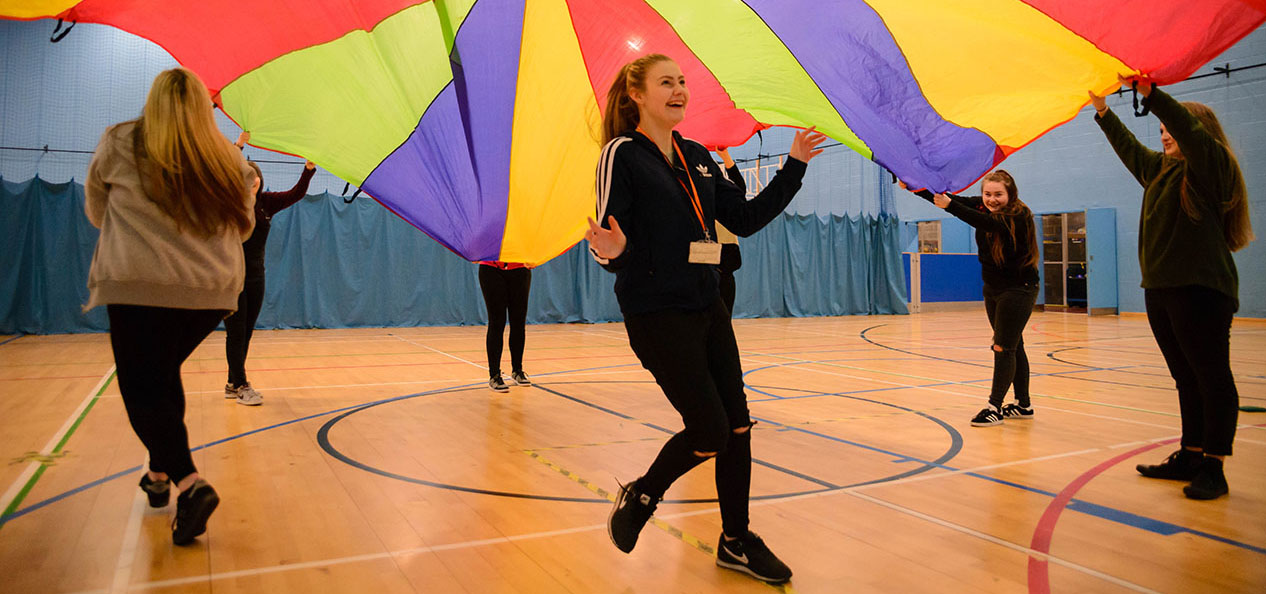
column 381, row 462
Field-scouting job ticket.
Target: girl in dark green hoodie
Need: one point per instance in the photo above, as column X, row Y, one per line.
column 1194, row 214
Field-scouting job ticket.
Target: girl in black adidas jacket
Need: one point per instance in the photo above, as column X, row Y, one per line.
column 659, row 196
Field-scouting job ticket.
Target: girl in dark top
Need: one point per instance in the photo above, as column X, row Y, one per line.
column 1008, row 265
column 659, row 196
column 505, row 286
column 1194, row 214
column 731, row 257
column 239, row 326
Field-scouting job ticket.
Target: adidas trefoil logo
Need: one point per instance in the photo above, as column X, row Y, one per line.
column 703, row 171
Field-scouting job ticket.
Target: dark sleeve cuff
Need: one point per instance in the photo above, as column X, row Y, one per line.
column 794, row 167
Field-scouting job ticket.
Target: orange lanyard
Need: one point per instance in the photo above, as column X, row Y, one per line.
column 692, row 192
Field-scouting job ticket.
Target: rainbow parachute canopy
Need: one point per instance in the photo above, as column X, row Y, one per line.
column 476, row 120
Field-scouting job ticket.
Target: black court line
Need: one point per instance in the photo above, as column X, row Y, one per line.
column 798, row 475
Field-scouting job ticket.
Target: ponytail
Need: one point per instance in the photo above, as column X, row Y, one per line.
column 621, row 113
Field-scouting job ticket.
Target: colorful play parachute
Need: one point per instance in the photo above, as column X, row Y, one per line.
column 475, row 120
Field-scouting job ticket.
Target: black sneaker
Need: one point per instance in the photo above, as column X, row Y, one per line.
column 987, row 417
column 159, row 492
column 749, row 555
column 1179, row 466
column 193, row 507
column 496, row 384
column 1209, row 482
column 1015, row 411
column 520, row 378
column 632, row 509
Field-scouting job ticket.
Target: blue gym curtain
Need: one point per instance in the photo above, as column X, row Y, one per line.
column 337, row 265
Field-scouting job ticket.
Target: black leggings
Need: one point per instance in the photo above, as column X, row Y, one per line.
column 505, row 290
column 150, row 344
column 1009, row 310
column 695, row 360
column 1192, row 326
column 239, row 327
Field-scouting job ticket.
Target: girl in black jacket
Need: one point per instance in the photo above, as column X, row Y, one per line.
column 239, row 327
column 1005, row 236
column 659, row 196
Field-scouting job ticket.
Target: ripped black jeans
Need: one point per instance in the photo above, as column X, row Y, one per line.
column 1009, row 309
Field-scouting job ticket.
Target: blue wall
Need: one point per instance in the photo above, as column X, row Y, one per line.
column 63, row 95
column 1073, row 168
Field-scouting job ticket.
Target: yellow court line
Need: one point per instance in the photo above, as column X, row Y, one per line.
column 676, row 532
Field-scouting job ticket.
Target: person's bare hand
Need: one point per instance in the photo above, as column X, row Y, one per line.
column 607, row 243
column 1101, row 104
column 803, row 145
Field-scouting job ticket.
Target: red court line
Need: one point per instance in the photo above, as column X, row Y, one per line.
column 1039, row 570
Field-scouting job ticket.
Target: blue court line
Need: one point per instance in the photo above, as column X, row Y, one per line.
column 1111, row 514
column 1120, row 516
column 54, row 499
column 11, row 339
column 4, row 519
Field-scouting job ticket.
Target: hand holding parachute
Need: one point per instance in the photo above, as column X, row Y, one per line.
column 476, row 121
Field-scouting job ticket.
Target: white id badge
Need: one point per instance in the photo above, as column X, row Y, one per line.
column 705, row 252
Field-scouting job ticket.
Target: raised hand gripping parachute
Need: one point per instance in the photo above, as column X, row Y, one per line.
column 476, row 121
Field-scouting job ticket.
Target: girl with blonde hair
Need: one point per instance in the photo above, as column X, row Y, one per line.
column 174, row 200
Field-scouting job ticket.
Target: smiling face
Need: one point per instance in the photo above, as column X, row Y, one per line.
column 1167, row 141
column 663, row 102
column 994, row 194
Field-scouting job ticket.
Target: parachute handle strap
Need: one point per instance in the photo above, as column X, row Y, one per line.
column 1145, row 109
column 347, row 185
column 62, row 35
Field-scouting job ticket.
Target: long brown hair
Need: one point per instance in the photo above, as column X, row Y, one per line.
column 187, row 167
column 621, row 112
column 1012, row 213
column 1237, row 227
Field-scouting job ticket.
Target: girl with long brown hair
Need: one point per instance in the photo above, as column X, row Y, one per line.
column 659, row 198
column 174, row 201
column 1007, row 243
column 1194, row 214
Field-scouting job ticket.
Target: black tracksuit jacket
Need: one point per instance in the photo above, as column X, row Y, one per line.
column 636, row 185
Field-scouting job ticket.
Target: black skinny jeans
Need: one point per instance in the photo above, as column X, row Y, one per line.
column 1009, row 310
column 239, row 328
column 695, row 360
column 505, row 290
column 1192, row 326
column 150, row 344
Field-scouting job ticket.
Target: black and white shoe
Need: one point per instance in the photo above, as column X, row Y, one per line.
column 1015, row 411
column 631, row 511
column 520, row 378
column 496, row 384
column 193, row 508
column 987, row 417
column 749, row 555
column 158, row 492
